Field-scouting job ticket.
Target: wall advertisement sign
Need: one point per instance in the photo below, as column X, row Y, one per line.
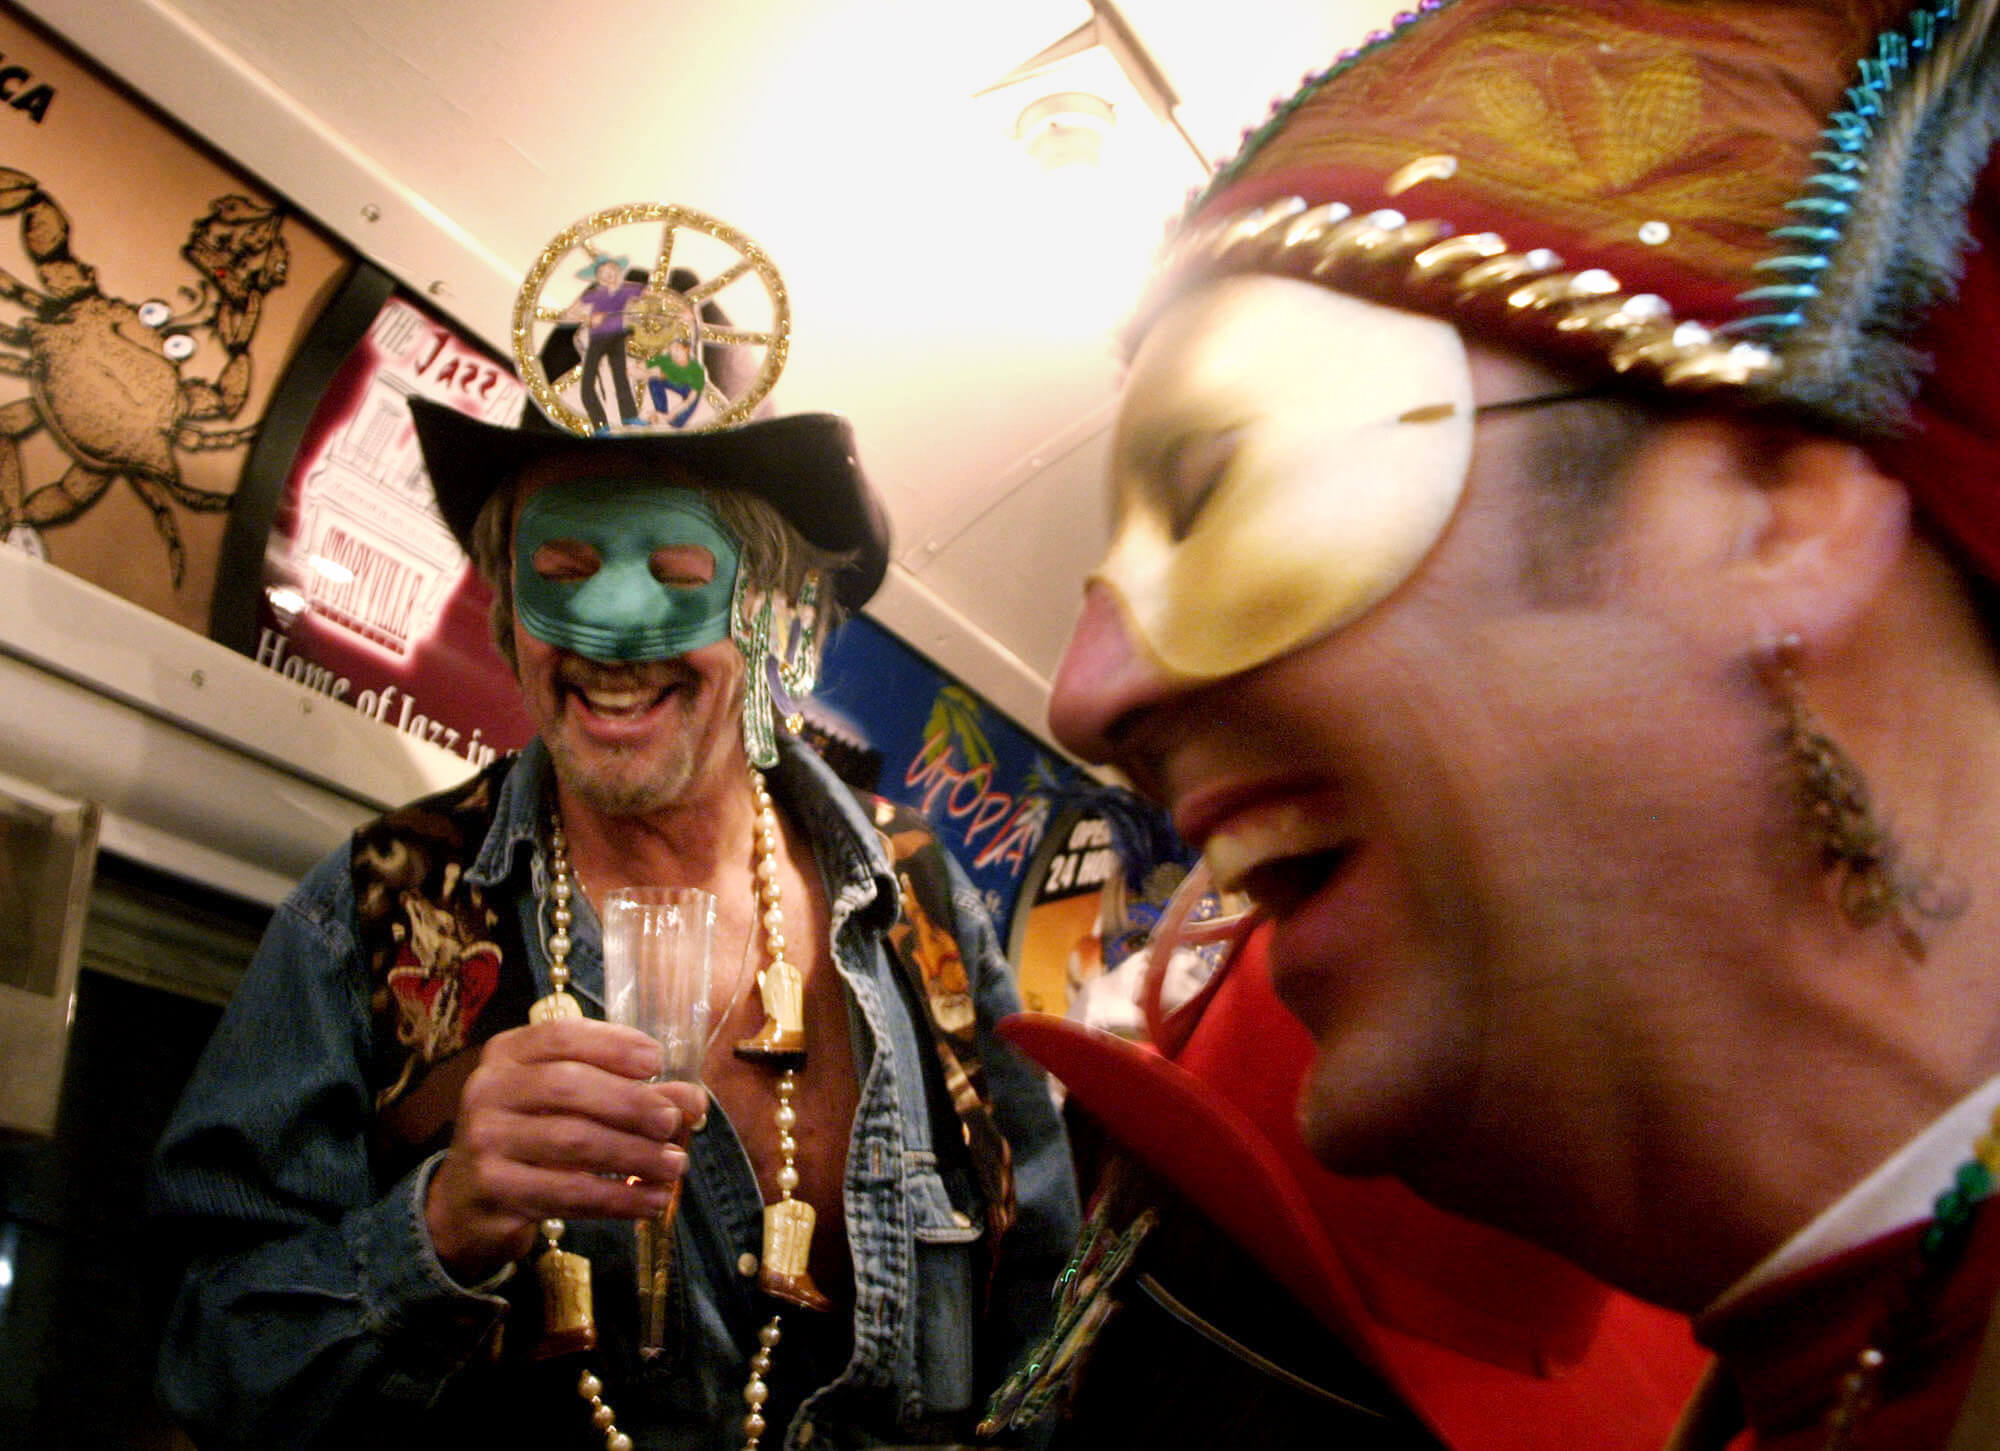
column 160, row 296
column 1056, row 932
column 359, row 590
column 931, row 743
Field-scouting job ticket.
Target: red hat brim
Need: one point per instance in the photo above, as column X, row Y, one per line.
column 1613, row 1385
column 1212, row 1153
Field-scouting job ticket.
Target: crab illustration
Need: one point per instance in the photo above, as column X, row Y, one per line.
column 104, row 374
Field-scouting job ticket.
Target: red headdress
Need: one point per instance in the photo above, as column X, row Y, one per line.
column 1769, row 202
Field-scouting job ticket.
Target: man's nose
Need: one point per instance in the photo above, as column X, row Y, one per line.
column 1105, row 677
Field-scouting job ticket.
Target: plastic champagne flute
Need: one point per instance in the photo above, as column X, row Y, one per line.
column 656, row 978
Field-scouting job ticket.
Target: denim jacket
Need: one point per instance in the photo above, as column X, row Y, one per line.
column 314, row 1310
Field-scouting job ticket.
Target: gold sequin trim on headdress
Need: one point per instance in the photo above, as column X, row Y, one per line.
column 1421, row 264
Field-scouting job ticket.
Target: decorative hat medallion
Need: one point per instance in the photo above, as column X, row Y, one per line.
column 608, row 348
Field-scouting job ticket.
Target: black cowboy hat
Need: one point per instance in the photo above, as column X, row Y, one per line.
column 803, row 464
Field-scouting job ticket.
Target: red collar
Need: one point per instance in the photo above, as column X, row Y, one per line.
column 1788, row 1344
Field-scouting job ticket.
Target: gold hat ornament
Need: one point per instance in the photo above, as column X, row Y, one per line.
column 649, row 321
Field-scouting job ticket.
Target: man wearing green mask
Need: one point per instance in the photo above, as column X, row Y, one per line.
column 412, row 1095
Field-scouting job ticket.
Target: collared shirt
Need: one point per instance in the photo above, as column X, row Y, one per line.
column 315, row 1310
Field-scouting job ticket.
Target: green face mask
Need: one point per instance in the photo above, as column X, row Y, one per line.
column 620, row 610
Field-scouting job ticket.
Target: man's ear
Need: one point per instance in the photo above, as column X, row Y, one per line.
column 1823, row 534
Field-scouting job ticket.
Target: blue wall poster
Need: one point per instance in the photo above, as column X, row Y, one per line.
column 890, row 720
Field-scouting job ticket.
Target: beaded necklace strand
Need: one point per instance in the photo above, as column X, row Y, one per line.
column 569, row 1324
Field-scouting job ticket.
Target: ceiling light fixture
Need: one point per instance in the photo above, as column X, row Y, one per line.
column 1066, row 128
column 1070, row 117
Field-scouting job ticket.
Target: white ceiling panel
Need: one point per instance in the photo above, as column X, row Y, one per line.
column 1025, row 557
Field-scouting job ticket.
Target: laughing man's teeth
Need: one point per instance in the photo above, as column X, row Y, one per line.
column 618, row 702
column 1268, row 834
